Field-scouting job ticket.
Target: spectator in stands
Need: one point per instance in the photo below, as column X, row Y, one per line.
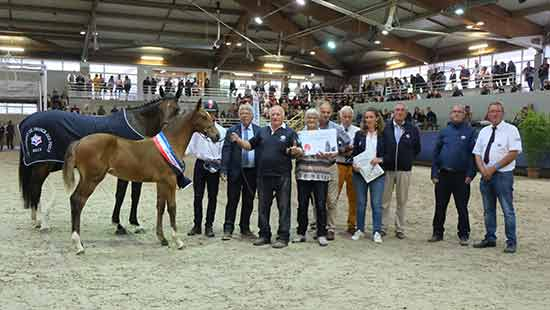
column 75, row 109
column 511, row 70
column 495, row 71
column 119, row 86
column 485, row 90
column 515, row 87
column 114, row 109
column 529, row 73
column 398, row 146
column 543, row 73
column 101, row 111
column 111, row 85
column 154, row 83
column 485, row 76
column 168, row 85
column 127, row 86
column 206, row 83
column 96, row 85
column 431, row 119
column 452, row 77
column 2, row 135
column 146, row 86
column 457, row 92
column 468, row 115
column 420, row 83
column 10, row 133
column 477, row 73
column 546, row 85
column 502, row 73
column 103, row 84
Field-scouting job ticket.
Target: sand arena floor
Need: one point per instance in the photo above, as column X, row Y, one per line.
column 41, row 271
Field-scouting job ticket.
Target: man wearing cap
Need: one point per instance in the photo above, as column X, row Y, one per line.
column 206, row 173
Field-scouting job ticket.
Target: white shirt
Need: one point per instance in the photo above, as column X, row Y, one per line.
column 205, row 149
column 351, row 130
column 370, row 144
column 507, row 139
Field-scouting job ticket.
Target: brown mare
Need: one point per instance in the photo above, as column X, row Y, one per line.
column 147, row 120
column 96, row 155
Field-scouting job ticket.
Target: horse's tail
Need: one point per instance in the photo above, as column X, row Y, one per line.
column 25, row 173
column 69, row 165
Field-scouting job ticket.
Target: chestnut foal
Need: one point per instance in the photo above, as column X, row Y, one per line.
column 96, row 155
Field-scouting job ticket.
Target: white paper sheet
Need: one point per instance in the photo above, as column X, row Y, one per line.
column 316, row 141
column 368, row 171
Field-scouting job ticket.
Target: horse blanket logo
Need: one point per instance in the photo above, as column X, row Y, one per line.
column 46, row 135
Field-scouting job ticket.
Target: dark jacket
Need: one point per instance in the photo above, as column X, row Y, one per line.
column 232, row 153
column 453, row 150
column 398, row 157
column 359, row 143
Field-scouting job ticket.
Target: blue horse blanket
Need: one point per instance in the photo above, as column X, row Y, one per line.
column 45, row 136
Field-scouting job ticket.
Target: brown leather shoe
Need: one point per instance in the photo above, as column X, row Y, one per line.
column 248, row 235
column 330, row 235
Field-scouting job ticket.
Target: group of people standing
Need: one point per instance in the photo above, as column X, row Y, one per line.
column 259, row 159
column 7, row 133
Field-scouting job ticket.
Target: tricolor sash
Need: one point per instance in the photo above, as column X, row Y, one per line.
column 175, row 164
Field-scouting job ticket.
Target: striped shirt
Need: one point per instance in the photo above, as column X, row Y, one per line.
column 310, row 168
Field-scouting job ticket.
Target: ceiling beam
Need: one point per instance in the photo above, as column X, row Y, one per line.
column 497, row 20
column 402, row 45
column 278, row 22
column 165, row 5
column 91, row 32
column 532, row 10
column 225, row 50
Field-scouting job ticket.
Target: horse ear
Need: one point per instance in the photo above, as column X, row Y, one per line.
column 161, row 91
column 178, row 93
column 199, row 104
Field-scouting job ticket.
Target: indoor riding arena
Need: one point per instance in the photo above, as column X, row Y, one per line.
column 275, row 154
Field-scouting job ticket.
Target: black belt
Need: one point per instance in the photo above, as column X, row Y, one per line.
column 345, row 164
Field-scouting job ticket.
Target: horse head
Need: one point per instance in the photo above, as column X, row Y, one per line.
column 202, row 122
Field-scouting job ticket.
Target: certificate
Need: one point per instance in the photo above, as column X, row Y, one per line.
column 368, row 171
column 316, row 141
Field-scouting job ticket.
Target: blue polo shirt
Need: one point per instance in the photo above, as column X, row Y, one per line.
column 271, row 149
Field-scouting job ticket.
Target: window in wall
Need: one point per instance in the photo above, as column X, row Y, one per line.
column 54, row 65
column 71, row 66
column 529, row 54
column 486, row 61
column 408, row 71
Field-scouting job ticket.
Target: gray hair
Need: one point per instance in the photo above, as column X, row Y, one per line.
column 345, row 109
column 312, row 112
column 460, row 106
column 403, row 104
column 246, row 106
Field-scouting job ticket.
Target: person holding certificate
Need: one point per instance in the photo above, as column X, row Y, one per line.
column 312, row 176
column 365, row 144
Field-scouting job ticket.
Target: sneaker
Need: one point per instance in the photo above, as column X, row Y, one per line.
column 377, row 237
column 261, row 241
column 227, row 236
column 209, row 232
column 279, row 244
column 464, row 241
column 299, row 238
column 510, row 248
column 357, row 235
column 248, row 235
column 435, row 238
column 485, row 244
column 196, row 230
column 330, row 235
column 322, row 241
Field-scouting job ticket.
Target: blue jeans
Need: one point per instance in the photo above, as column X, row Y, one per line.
column 500, row 187
column 376, row 188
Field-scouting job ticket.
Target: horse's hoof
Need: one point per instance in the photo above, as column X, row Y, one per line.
column 180, row 244
column 79, row 251
column 44, row 229
column 121, row 230
column 139, row 230
column 36, row 225
column 164, row 243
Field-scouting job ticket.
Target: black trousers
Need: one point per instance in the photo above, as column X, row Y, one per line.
column 121, row 186
column 202, row 179
column 319, row 190
column 9, row 142
column 245, row 186
column 278, row 187
column 451, row 183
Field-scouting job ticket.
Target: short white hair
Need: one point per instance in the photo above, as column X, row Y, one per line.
column 246, row 106
column 312, row 112
column 345, row 109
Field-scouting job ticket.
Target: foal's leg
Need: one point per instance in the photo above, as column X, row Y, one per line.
column 172, row 213
column 85, row 188
column 161, row 202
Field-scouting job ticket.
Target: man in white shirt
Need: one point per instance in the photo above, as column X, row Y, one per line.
column 345, row 168
column 206, row 174
column 496, row 150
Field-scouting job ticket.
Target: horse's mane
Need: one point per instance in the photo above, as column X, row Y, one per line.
column 151, row 104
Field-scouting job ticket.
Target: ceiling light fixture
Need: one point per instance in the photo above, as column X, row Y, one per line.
column 377, row 42
column 459, row 11
column 228, row 43
column 312, row 53
column 153, row 58
column 480, row 24
column 470, row 27
column 258, row 20
column 298, row 77
column 245, row 74
column 301, row 2
column 239, row 44
column 11, row 49
column 331, row 44
column 478, row 46
column 82, row 32
column 393, row 62
column 273, row 65
column 385, row 32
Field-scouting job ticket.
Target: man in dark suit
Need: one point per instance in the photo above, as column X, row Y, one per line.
column 239, row 166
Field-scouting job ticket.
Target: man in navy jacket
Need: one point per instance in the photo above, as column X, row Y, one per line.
column 239, row 166
column 452, row 171
column 398, row 146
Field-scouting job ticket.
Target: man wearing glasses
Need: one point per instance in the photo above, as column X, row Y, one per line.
column 453, row 169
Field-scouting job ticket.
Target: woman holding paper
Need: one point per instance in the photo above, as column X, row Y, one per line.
column 364, row 147
column 312, row 177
